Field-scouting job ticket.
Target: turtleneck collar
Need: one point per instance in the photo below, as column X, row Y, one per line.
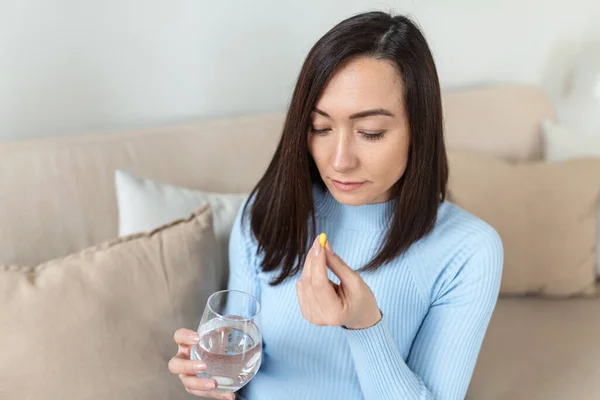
column 372, row 217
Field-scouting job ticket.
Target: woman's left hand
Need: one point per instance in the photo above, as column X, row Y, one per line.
column 350, row 304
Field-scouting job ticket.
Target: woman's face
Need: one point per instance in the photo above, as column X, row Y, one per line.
column 359, row 136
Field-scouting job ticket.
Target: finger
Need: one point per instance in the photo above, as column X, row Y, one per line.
column 189, row 367
column 322, row 297
column 327, row 304
column 192, row 382
column 346, row 274
column 315, row 312
column 326, row 301
column 186, row 337
column 301, row 292
column 312, row 252
column 214, row 395
column 310, row 309
column 318, row 270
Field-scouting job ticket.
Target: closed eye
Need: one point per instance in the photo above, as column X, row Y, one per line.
column 319, row 131
column 372, row 135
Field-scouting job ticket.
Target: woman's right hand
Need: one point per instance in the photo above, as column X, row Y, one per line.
column 186, row 369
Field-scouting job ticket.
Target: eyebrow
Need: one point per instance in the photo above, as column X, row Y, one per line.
column 362, row 114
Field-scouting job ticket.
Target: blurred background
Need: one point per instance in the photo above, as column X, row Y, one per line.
column 71, row 66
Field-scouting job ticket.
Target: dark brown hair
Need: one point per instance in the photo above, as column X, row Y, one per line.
column 282, row 201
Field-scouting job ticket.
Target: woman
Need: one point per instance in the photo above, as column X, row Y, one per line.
column 412, row 280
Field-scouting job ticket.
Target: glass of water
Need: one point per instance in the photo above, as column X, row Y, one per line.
column 230, row 340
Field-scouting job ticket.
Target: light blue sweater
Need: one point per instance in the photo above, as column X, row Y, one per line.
column 436, row 299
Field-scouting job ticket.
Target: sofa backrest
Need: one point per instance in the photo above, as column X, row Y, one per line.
column 58, row 194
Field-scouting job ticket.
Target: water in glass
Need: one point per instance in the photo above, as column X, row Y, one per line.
column 230, row 344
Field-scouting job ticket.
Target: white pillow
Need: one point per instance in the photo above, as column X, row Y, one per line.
column 561, row 144
column 144, row 205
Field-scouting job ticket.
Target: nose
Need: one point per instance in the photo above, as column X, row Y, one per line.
column 344, row 157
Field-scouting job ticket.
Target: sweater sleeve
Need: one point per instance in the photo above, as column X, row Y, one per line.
column 243, row 262
column 443, row 355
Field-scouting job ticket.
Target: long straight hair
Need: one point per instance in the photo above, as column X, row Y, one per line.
column 282, row 205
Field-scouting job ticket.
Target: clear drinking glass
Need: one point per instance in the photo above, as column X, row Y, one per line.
column 230, row 340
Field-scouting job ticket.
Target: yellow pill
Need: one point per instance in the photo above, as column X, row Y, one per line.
column 322, row 239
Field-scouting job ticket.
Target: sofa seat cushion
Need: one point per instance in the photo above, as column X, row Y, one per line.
column 540, row 349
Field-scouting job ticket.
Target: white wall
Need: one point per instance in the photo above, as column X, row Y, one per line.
column 72, row 66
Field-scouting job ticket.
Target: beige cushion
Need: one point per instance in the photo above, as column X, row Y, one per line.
column 99, row 324
column 540, row 349
column 499, row 120
column 544, row 213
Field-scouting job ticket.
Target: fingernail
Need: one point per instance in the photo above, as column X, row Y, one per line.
column 316, row 246
column 194, row 337
column 199, row 367
column 328, row 247
column 210, row 385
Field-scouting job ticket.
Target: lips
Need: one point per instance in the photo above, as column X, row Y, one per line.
column 347, row 186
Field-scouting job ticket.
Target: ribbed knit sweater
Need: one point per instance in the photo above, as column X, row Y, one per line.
column 437, row 299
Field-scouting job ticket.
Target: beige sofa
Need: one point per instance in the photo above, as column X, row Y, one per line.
column 58, row 197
